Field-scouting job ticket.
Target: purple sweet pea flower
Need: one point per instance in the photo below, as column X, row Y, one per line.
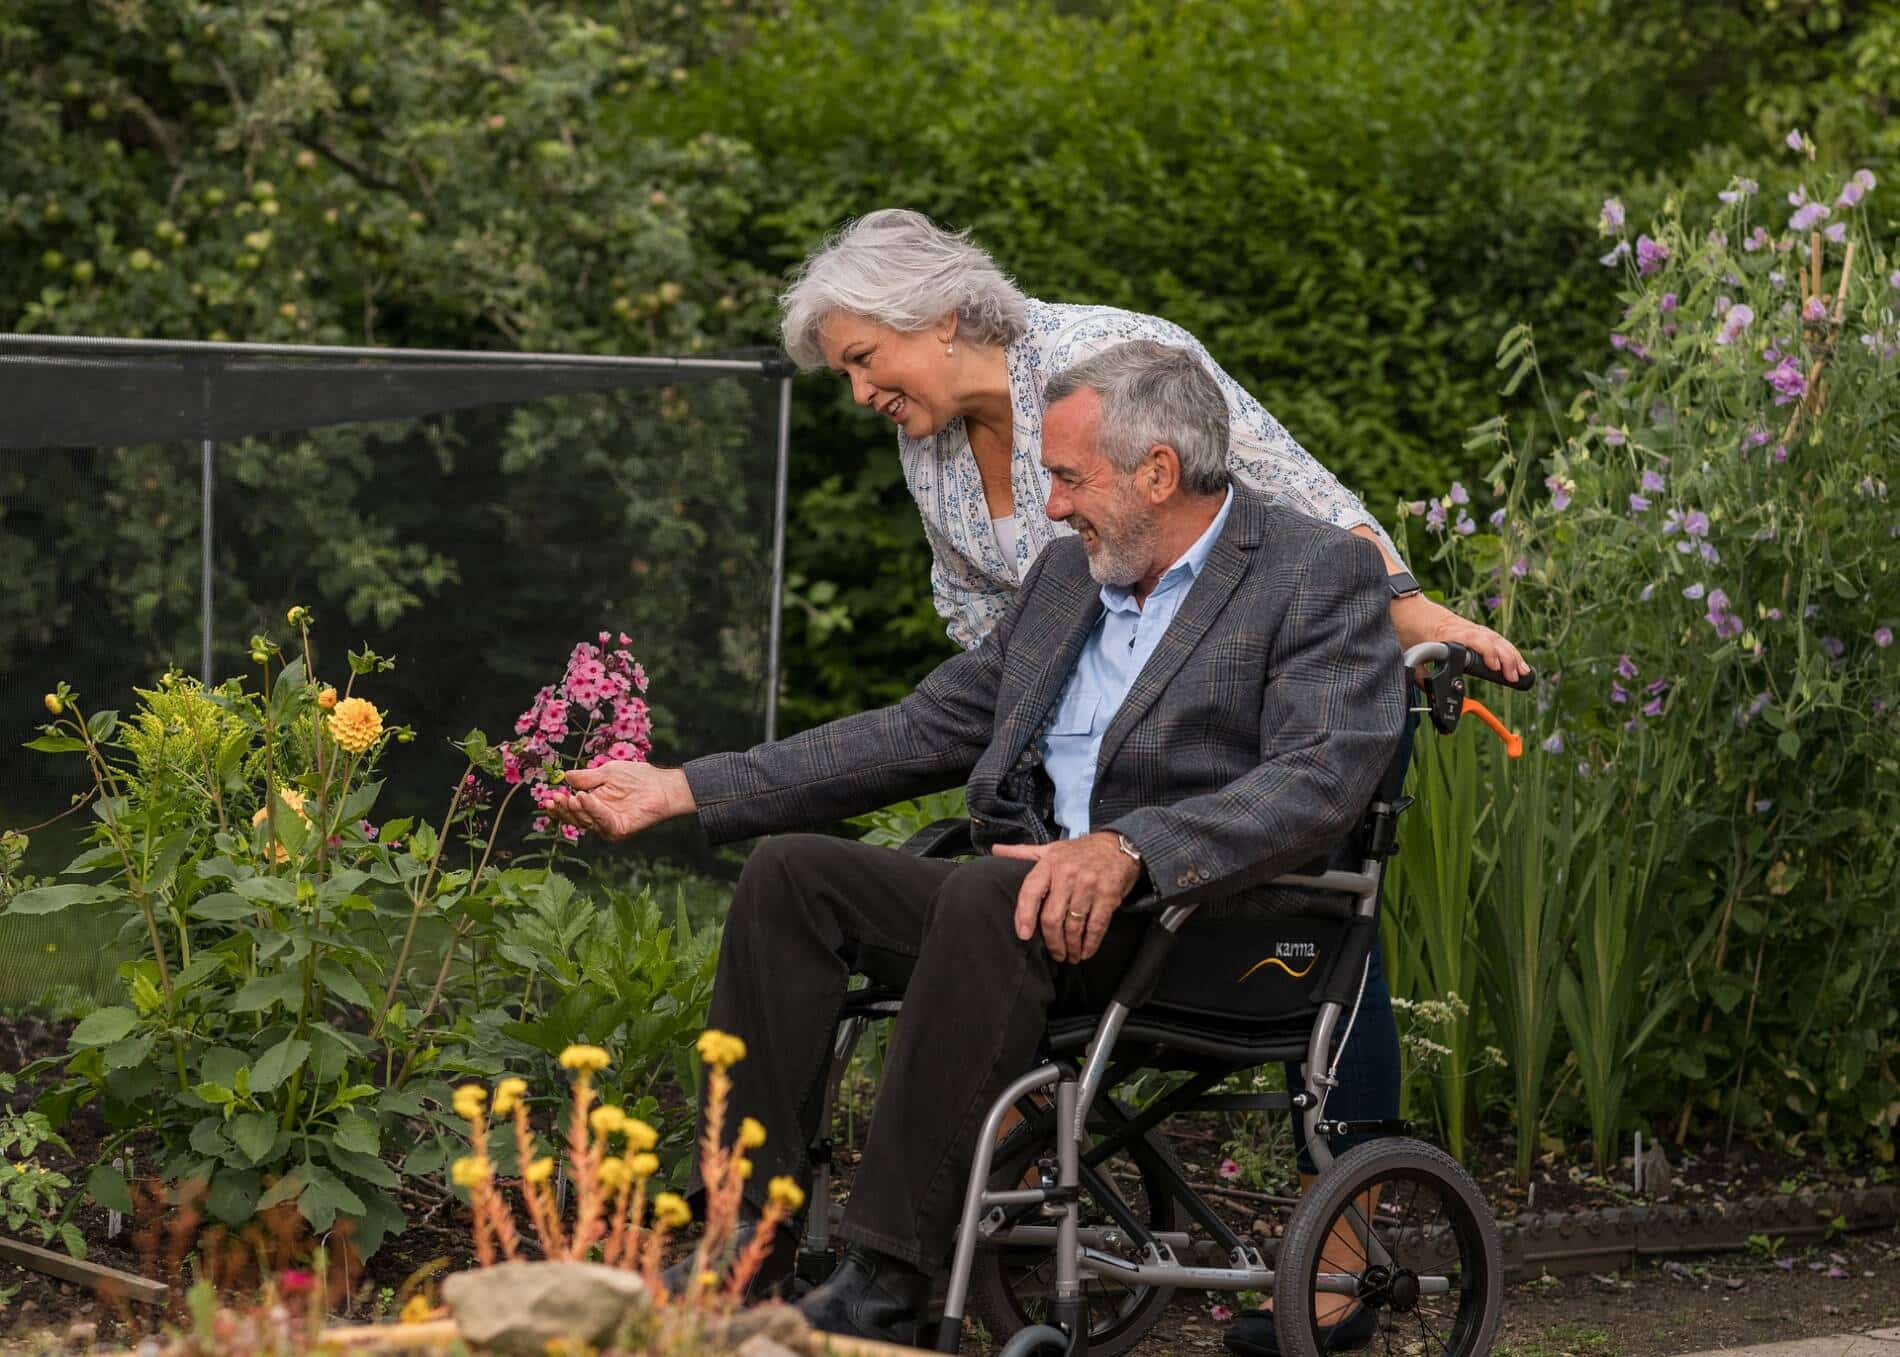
column 1831, row 647
column 1785, row 377
column 1696, row 523
column 1795, row 141
column 1458, row 494
column 1763, row 806
column 1658, row 688
column 1668, row 303
column 1743, row 187
column 1709, row 553
column 1806, row 218
column 1464, row 527
column 1865, row 178
column 1735, row 321
column 1626, row 667
column 1693, row 591
column 1781, row 453
column 1653, row 708
column 1756, row 437
column 1618, row 693
column 1520, row 568
column 1653, row 483
column 1809, row 613
column 1497, row 518
column 1650, row 255
column 1555, row 744
column 1435, row 517
column 1494, row 602
column 1883, row 637
column 1649, row 592
column 1758, row 239
column 1611, row 217
column 1560, row 490
column 1616, row 256
column 1893, row 280
column 1638, row 504
column 1837, row 233
column 1851, row 194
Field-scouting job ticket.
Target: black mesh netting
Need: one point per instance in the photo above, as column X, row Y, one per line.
column 472, row 519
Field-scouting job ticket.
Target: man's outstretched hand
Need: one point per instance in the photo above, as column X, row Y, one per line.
column 1074, row 890
column 619, row 799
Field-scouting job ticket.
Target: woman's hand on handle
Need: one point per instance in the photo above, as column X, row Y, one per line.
column 617, row 800
column 1442, row 624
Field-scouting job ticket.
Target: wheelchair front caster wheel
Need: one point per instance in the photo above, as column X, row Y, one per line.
column 1391, row 1248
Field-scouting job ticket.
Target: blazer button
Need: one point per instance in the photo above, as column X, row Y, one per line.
column 1185, row 880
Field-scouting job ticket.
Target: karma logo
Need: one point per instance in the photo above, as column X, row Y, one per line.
column 1283, row 952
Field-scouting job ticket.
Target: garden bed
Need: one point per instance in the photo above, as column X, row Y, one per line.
column 1783, row 1286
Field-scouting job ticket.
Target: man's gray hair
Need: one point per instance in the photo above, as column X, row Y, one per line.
column 899, row 269
column 1154, row 393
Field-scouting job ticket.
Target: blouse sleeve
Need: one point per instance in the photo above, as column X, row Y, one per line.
column 970, row 603
column 1260, row 453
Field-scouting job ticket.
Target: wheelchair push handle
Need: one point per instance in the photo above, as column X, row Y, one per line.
column 1446, row 665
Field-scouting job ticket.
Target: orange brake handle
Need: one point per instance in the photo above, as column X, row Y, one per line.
column 1513, row 742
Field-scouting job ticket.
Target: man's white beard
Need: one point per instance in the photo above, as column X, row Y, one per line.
column 1124, row 543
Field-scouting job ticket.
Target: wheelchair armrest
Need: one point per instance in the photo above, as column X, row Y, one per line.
column 947, row 838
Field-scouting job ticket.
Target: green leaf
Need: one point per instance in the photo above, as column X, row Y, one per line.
column 254, row 1133
column 337, row 979
column 220, row 1065
column 325, row 1196
column 216, row 1094
column 104, row 1026
column 357, row 1132
column 107, row 1186
column 207, row 1138
column 284, row 1189
column 52, row 899
column 233, row 1196
column 356, row 806
column 277, row 1063
column 56, row 744
column 395, row 829
column 287, row 688
column 365, row 1166
column 130, row 1052
column 224, row 907
column 74, row 1242
column 101, row 724
column 1788, row 743
column 266, row 992
column 270, row 890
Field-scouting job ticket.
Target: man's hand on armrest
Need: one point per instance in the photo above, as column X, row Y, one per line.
column 617, row 800
column 1072, row 892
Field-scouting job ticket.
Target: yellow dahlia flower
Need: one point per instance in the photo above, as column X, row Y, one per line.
column 326, row 697
column 53, row 704
column 356, row 724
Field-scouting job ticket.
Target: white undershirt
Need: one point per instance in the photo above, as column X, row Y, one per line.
column 1006, row 535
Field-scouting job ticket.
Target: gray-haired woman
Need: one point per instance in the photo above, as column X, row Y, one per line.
column 932, row 335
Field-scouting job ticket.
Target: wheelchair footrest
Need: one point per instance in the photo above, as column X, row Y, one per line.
column 1390, row 1127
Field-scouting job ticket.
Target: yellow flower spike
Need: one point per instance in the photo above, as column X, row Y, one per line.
column 751, row 1134
column 785, row 1193
column 720, row 1049
column 743, row 1167
column 585, row 1059
column 639, row 1135
column 326, row 697
column 356, row 724
column 53, row 704
column 644, row 1166
column 708, row 1280
column 670, row 1210
column 469, row 1100
column 470, row 1170
column 540, row 1171
column 606, row 1119
column 507, row 1093
column 614, row 1174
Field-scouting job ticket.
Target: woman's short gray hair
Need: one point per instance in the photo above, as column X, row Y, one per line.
column 900, row 269
column 1154, row 393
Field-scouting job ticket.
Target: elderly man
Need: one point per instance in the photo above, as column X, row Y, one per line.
column 1196, row 692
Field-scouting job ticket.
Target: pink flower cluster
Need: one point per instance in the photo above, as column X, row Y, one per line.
column 601, row 692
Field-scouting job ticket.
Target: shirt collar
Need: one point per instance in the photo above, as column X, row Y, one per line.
column 1118, row 598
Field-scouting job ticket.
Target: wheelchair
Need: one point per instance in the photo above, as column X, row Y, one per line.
column 1078, row 1223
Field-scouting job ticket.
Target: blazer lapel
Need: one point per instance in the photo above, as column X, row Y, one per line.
column 1062, row 637
column 1226, row 567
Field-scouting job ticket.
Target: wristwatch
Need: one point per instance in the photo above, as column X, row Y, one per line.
column 1121, row 842
column 1401, row 583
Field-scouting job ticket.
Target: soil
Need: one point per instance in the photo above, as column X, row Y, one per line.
column 1664, row 1307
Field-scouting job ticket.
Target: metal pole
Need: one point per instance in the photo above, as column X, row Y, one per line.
column 778, row 556
column 204, row 565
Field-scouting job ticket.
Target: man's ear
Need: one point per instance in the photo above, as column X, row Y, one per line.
column 1160, row 477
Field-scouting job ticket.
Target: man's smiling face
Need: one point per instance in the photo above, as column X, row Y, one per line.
column 1087, row 493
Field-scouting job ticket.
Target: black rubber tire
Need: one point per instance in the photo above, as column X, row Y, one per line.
column 1469, row 1313
column 1119, row 1317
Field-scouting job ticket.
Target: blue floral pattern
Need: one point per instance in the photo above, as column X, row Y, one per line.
column 972, row 584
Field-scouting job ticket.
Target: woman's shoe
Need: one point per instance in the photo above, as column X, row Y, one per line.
column 1253, row 1334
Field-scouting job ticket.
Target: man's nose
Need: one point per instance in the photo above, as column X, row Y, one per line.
column 1057, row 507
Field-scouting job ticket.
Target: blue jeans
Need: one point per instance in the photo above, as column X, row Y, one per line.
column 1368, row 1067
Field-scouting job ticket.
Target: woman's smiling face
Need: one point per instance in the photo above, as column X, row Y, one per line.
column 903, row 376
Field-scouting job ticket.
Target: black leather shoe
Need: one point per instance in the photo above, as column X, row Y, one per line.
column 773, row 1274
column 871, row 1295
column 1253, row 1334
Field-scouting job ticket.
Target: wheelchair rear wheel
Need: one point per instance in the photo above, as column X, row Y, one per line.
column 1010, row 1286
column 1399, row 1227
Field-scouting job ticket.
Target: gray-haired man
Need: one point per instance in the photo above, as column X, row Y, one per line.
column 1196, row 692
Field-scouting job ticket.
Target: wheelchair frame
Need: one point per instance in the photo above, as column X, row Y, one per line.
column 1082, row 1254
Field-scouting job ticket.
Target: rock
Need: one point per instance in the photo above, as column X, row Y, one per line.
column 779, row 1325
column 759, row 1345
column 81, row 1335
column 520, row 1308
column 1657, row 1174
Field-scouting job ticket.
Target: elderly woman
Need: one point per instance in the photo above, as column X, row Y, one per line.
column 933, row 336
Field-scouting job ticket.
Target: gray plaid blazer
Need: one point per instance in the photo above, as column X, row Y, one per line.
column 1250, row 742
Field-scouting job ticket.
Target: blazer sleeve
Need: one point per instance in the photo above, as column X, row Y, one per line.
column 925, row 743
column 1331, row 714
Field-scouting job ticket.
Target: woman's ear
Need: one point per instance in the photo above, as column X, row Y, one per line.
column 946, row 329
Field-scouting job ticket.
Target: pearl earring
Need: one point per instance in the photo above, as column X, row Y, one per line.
column 949, row 350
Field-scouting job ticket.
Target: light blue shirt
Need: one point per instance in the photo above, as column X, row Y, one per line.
column 1124, row 637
